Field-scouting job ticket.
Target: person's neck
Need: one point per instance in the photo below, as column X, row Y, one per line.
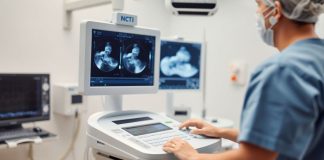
column 291, row 32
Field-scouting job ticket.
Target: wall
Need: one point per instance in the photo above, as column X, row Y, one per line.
column 32, row 40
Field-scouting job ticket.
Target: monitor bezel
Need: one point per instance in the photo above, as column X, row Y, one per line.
column 202, row 66
column 19, row 121
column 85, row 55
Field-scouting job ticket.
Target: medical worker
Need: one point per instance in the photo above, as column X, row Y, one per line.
column 283, row 112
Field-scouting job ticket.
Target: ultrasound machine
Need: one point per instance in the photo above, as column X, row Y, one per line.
column 23, row 98
column 127, row 135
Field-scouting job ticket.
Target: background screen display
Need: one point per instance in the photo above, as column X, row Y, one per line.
column 180, row 65
column 21, row 97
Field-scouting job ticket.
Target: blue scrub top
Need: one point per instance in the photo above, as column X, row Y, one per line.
column 284, row 105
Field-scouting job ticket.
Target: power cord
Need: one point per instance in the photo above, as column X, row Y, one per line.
column 31, row 148
column 75, row 135
column 86, row 154
column 31, row 152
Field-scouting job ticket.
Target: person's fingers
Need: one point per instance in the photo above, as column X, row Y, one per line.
column 173, row 140
column 169, row 144
column 191, row 123
column 198, row 131
column 185, row 124
column 178, row 142
column 168, row 149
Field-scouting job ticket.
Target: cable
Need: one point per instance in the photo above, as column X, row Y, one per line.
column 86, row 153
column 75, row 135
column 31, row 147
column 31, row 152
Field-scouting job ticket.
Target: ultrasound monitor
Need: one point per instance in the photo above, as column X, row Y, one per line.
column 118, row 60
column 180, row 65
column 115, row 60
column 24, row 98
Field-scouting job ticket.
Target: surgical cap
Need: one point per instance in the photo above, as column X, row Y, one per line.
column 306, row 11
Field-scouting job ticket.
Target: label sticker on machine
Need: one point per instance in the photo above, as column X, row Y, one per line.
column 147, row 129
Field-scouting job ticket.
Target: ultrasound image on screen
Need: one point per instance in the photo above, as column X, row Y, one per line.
column 122, row 59
column 134, row 59
column 20, row 97
column 180, row 65
column 105, row 60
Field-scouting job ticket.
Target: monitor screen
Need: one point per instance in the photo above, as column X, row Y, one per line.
column 121, row 59
column 24, row 97
column 147, row 129
column 180, row 65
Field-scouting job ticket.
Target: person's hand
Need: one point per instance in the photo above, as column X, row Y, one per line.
column 202, row 128
column 181, row 149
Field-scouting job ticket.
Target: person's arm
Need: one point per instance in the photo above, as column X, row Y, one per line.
column 245, row 152
column 229, row 133
column 184, row 151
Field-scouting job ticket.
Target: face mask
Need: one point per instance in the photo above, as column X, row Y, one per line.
column 267, row 35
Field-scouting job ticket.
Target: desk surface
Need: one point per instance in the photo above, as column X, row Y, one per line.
column 48, row 138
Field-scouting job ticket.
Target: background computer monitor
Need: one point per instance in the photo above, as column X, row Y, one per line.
column 24, row 98
column 181, row 65
column 118, row 60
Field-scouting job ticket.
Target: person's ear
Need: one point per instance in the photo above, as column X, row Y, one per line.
column 278, row 13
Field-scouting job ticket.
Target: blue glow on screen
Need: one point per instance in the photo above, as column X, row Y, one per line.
column 121, row 59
